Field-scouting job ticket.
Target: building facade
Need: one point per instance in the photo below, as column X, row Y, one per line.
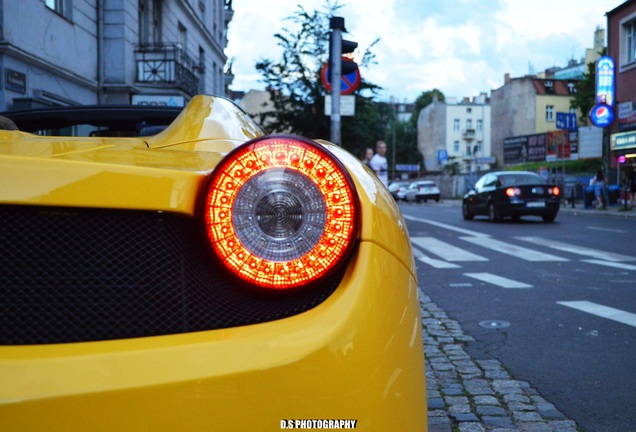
column 621, row 46
column 78, row 52
column 528, row 106
column 456, row 132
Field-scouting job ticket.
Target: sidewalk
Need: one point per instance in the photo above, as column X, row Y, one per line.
column 617, row 210
column 469, row 395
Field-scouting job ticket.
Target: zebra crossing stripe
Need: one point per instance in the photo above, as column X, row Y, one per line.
column 611, row 264
column 509, row 249
column 431, row 261
column 578, row 250
column 444, row 250
column 497, row 280
column 436, row 263
column 602, row 311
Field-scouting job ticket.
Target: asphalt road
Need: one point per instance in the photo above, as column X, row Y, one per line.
column 555, row 303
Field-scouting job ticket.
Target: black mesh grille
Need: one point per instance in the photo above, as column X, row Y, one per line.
column 70, row 275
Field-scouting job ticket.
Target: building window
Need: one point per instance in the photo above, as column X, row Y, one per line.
column 630, row 41
column 549, row 113
column 62, row 7
column 469, row 110
column 478, row 147
column 456, row 125
column 480, row 125
column 56, row 5
column 149, row 22
column 469, row 124
column 456, row 147
column 468, row 149
column 183, row 37
column 571, row 87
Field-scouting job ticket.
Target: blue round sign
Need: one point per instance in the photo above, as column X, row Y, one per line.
column 601, row 115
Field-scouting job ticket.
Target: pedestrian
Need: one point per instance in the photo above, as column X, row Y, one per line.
column 379, row 164
column 367, row 154
column 599, row 189
column 631, row 182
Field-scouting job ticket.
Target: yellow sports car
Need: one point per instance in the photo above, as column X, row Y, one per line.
column 207, row 277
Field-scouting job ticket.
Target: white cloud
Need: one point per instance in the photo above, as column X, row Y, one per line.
column 462, row 47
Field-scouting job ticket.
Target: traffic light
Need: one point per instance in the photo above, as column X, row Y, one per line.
column 346, row 46
column 348, row 65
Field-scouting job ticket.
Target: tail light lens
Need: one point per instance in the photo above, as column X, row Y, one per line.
column 513, row 191
column 554, row 191
column 281, row 212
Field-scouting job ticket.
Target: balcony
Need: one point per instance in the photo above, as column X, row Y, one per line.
column 469, row 134
column 167, row 65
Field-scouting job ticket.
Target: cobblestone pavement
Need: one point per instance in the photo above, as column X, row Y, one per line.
column 469, row 395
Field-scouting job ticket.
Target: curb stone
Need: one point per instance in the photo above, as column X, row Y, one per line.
column 467, row 395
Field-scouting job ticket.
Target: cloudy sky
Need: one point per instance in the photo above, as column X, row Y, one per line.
column 462, row 47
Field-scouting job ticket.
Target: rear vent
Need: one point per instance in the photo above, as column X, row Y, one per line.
column 71, row 275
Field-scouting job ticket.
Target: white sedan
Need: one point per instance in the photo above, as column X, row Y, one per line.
column 422, row 190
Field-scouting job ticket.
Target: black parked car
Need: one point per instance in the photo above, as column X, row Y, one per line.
column 512, row 194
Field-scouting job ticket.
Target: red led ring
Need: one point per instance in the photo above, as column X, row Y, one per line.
column 313, row 207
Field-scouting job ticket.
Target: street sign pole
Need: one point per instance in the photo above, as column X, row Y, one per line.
column 337, row 27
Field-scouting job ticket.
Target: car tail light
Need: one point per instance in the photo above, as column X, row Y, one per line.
column 554, row 191
column 281, row 212
column 513, row 191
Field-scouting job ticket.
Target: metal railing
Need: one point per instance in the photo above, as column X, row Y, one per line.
column 167, row 64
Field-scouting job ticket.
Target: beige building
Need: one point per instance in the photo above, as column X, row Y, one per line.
column 526, row 106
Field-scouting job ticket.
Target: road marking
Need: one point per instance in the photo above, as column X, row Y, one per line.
column 497, row 280
column 444, row 250
column 446, row 226
column 605, row 229
column 611, row 264
column 602, row 311
column 436, row 263
column 579, row 250
column 431, row 261
column 516, row 251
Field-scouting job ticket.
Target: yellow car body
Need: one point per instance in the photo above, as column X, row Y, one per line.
column 355, row 360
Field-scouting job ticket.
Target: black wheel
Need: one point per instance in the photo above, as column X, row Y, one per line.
column 549, row 217
column 467, row 215
column 493, row 215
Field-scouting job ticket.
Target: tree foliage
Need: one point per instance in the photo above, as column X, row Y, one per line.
column 297, row 93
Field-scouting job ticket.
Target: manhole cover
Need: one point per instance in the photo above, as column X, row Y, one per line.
column 494, row 324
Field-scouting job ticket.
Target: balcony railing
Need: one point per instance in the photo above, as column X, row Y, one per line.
column 469, row 134
column 169, row 65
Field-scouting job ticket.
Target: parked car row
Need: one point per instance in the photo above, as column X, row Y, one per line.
column 415, row 191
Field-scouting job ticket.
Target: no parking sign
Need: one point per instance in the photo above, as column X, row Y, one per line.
column 348, row 82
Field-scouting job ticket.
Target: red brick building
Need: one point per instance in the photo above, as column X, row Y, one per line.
column 621, row 46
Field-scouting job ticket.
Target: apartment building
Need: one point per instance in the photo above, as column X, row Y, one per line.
column 78, row 52
column 456, row 132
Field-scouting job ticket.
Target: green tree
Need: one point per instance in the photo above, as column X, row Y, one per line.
column 585, row 97
column 424, row 100
column 297, row 93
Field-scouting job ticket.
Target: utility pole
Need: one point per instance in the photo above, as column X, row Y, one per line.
column 336, row 24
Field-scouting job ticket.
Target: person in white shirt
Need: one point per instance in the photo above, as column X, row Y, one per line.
column 379, row 163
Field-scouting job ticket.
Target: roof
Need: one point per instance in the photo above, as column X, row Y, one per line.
column 559, row 87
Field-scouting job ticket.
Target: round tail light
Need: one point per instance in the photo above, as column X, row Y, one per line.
column 281, row 212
